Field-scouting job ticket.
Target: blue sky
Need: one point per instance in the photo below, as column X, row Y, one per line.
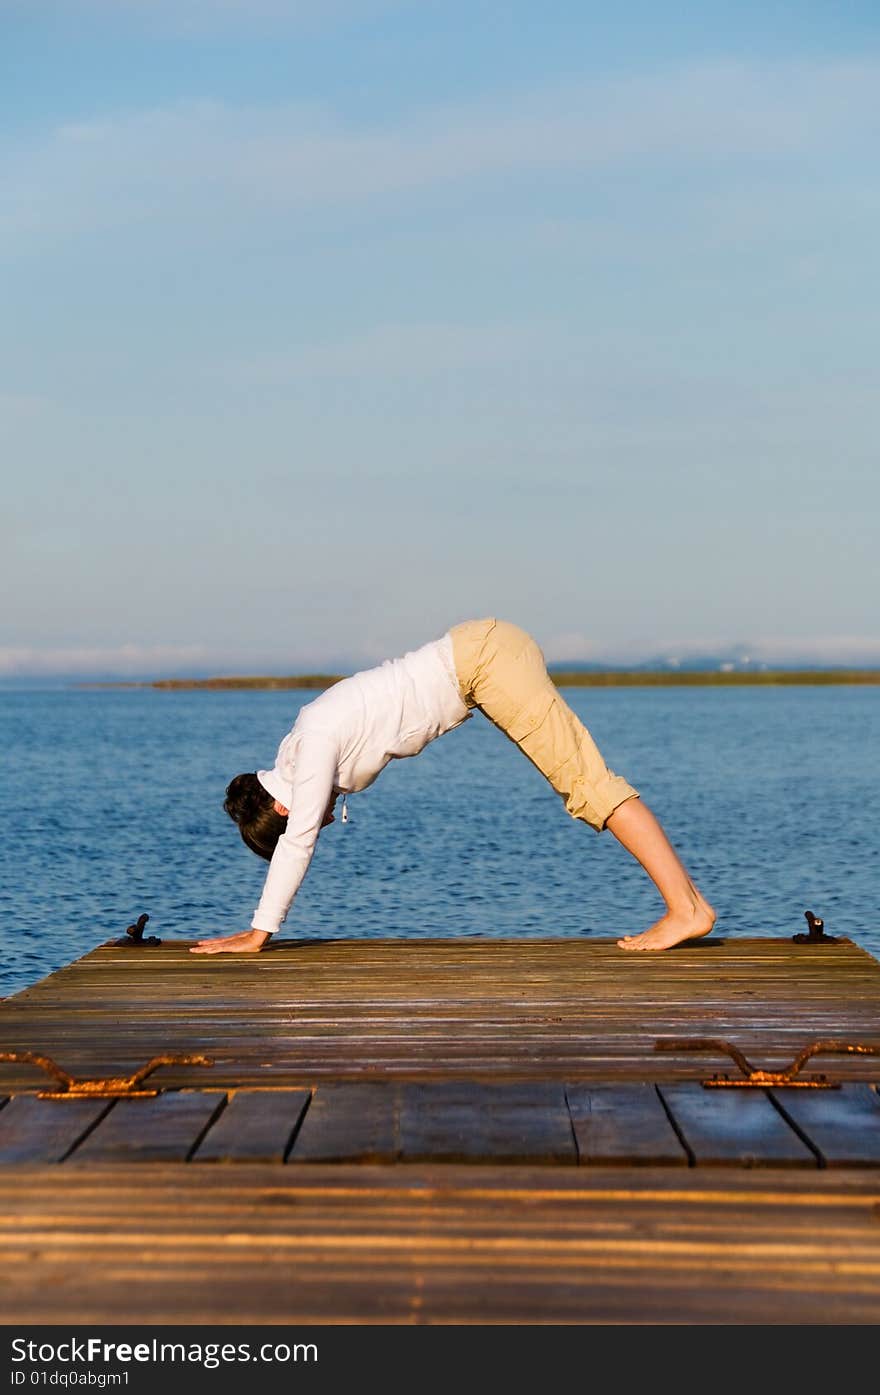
column 326, row 325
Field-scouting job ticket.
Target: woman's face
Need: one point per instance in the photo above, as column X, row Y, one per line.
column 329, row 816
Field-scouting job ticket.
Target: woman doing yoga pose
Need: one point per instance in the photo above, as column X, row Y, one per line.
column 343, row 739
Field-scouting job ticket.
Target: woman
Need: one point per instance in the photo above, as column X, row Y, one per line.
column 342, row 740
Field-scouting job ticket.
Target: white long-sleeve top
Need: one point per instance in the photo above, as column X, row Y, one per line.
column 339, row 744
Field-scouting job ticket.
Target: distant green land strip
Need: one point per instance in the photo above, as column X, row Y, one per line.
column 303, row 680
column 618, row 678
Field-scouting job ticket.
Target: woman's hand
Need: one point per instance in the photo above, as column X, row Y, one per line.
column 248, row 942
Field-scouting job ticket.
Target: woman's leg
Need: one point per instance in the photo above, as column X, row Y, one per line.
column 502, row 671
column 688, row 914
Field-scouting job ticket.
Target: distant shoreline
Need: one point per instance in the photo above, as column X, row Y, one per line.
column 611, row 678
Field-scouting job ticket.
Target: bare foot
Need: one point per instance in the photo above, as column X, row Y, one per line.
column 249, row 942
column 673, row 928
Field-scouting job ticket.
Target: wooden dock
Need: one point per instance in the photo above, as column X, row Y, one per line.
column 455, row 1131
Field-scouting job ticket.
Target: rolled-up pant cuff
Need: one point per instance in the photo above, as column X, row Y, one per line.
column 595, row 803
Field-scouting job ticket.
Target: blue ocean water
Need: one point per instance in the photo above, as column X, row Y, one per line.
column 112, row 805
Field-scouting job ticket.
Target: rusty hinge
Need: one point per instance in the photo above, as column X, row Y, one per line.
column 110, row 1087
column 762, row 1079
column 816, row 935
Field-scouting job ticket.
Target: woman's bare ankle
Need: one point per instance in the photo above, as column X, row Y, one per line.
column 674, row 928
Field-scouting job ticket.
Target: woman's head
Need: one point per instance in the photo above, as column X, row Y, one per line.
column 256, row 813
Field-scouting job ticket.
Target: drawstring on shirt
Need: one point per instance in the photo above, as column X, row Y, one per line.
column 344, row 810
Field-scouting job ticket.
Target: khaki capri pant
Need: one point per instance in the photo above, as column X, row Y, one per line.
column 501, row 671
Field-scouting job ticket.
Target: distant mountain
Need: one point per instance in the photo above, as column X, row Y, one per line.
column 735, row 660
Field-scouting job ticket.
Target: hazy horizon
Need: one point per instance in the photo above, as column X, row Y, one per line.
column 738, row 656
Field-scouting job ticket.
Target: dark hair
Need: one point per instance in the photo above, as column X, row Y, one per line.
column 253, row 810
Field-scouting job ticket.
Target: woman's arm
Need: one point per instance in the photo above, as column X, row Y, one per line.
column 311, row 797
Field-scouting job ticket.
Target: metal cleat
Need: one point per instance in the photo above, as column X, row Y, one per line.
column 764, row 1079
column 107, row 1088
column 817, row 934
column 134, row 935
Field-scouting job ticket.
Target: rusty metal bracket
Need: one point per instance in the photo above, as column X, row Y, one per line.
column 110, row 1087
column 755, row 1078
column 816, row 934
column 134, row 935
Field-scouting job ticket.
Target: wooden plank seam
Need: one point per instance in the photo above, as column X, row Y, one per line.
column 691, row 1158
column 297, row 1126
column 223, row 1102
column 90, row 1128
column 793, row 1124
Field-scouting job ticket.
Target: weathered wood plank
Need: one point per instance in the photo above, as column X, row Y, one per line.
column 441, row 1122
column 452, row 1123
column 459, row 1123
column 255, row 1126
column 581, row 1011
column 488, row 1123
column 843, row 1125
column 623, row 1124
column 734, row 1126
column 43, row 1131
column 350, row 1123
column 438, row 1243
column 163, row 1129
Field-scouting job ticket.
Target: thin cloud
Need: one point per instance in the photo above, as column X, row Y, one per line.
column 124, row 660
column 412, row 351
column 15, row 406
column 200, row 16
column 186, row 162
column 831, row 649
